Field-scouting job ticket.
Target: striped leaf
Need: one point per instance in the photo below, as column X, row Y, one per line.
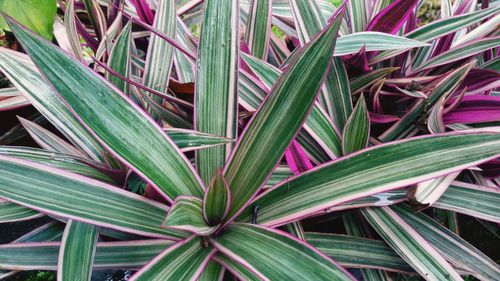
column 11, row 103
column 188, row 140
column 108, row 255
column 217, row 200
column 393, row 17
column 213, row 272
column 217, row 82
column 452, row 247
column 358, row 13
column 120, row 58
column 482, row 30
column 428, row 192
column 362, row 82
column 357, row 129
column 48, row 140
column 159, row 56
column 461, row 52
column 318, row 125
column 268, row 134
column 11, row 212
column 249, row 245
column 187, row 214
column 409, row 244
column 473, row 200
column 441, row 28
column 23, row 74
column 76, row 254
column 356, row 226
column 184, row 65
column 357, row 252
column 377, row 169
column 71, row 196
column 122, row 126
column 335, row 96
column 238, row 270
column 66, row 162
column 70, row 25
column 184, row 260
column 258, row 30
column 374, row 41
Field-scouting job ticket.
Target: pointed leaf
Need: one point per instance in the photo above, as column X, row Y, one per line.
column 11, row 212
column 473, row 200
column 452, row 247
column 378, row 169
column 72, row 196
column 259, row 27
column 184, row 260
column 268, row 134
column 120, row 58
column 187, row 214
column 76, row 254
column 249, row 246
column 217, row 200
column 217, row 82
column 188, row 140
column 392, row 18
column 121, row 127
column 410, row 245
column 357, row 129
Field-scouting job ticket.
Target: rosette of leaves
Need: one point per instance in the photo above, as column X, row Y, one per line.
column 184, row 158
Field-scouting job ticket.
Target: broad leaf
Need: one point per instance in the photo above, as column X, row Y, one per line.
column 38, row 15
column 11, row 212
column 217, row 82
column 184, row 260
column 69, row 195
column 410, row 245
column 123, row 127
column 268, row 134
column 77, row 251
column 249, row 245
column 377, row 169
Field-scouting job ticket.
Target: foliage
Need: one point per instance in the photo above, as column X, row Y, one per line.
column 203, row 148
column 38, row 15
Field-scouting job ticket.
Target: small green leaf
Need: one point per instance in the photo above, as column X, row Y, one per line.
column 357, row 129
column 187, row 214
column 217, row 200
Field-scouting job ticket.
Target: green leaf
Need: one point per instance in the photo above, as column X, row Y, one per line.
column 410, row 245
column 460, row 52
column 258, row 29
column 335, row 95
column 184, row 260
column 357, row 11
column 72, row 196
column 452, row 247
column 160, row 53
column 427, row 192
column 23, row 74
column 11, row 212
column 374, row 41
column 187, row 214
column 66, row 162
column 478, row 201
column 120, row 58
column 362, row 82
column 37, row 15
column 114, row 118
column 317, row 125
column 217, row 82
column 377, row 169
column 188, row 140
column 357, row 129
column 441, row 28
column 217, row 200
column 76, row 254
column 249, row 245
column 213, row 272
column 71, row 31
column 357, row 252
column 171, row 118
column 268, row 134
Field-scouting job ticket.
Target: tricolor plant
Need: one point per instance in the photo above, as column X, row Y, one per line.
column 242, row 120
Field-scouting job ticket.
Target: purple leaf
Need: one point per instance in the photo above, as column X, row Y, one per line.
column 475, row 109
column 297, row 159
column 480, row 80
column 390, row 19
column 144, row 11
